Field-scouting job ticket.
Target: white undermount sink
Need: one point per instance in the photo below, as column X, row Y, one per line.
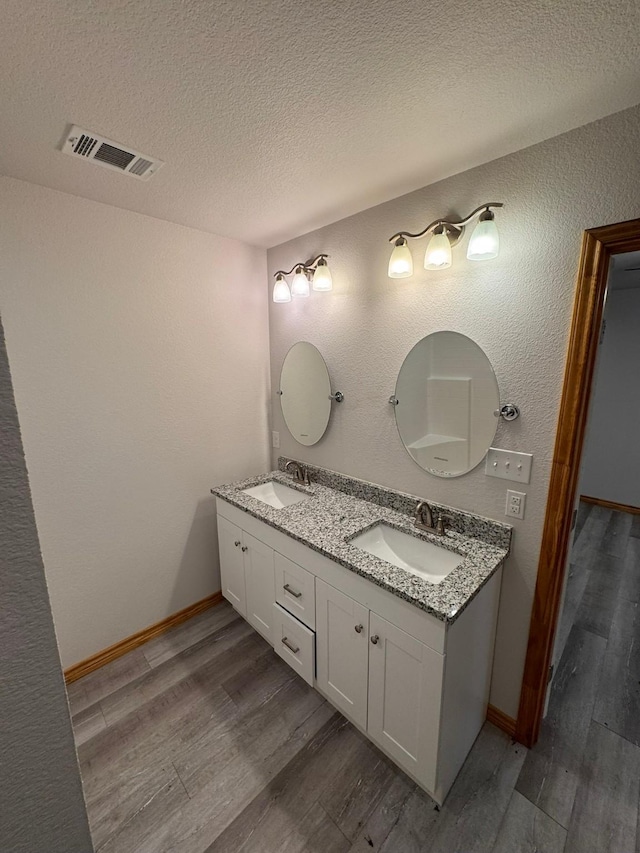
column 275, row 494
column 417, row 556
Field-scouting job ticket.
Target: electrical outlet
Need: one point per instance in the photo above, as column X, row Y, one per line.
column 275, row 438
column 508, row 465
column 515, row 504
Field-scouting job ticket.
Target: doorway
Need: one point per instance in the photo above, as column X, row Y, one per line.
column 599, row 246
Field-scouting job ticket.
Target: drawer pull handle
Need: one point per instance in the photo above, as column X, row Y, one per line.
column 359, row 629
column 375, row 639
column 293, row 592
column 290, row 646
column 245, row 547
column 237, row 542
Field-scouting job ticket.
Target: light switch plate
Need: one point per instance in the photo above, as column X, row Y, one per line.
column 515, row 504
column 275, row 438
column 508, row 465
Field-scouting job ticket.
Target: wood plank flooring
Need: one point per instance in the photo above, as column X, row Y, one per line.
column 584, row 771
column 204, row 741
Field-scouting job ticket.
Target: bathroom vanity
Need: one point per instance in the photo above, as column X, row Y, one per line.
column 394, row 625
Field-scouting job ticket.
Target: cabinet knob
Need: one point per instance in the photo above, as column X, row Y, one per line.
column 237, row 542
column 245, row 548
column 359, row 629
column 375, row 639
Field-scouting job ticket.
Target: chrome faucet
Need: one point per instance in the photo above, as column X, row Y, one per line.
column 300, row 474
column 424, row 519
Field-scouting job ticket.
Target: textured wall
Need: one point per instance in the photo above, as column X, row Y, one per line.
column 517, row 308
column 611, row 460
column 41, row 800
column 139, row 352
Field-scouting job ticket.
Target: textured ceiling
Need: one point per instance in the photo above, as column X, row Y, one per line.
column 275, row 118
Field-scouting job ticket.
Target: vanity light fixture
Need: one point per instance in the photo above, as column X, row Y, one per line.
column 400, row 262
column 485, row 240
column 300, row 284
column 438, row 254
column 281, row 292
column 322, row 279
column 483, row 245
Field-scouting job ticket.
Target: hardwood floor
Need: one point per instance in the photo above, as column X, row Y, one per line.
column 204, row 741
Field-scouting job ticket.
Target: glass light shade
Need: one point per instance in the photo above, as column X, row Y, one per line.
column 400, row 262
column 485, row 241
column 300, row 283
column 281, row 292
column 438, row 254
column 322, row 277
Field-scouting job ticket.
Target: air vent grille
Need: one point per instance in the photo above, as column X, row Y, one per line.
column 140, row 166
column 85, row 145
column 112, row 155
column 117, row 157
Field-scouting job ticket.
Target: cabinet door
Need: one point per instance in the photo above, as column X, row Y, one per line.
column 232, row 564
column 342, row 651
column 260, row 585
column 405, row 691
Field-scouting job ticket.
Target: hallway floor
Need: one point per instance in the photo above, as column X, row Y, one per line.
column 204, row 741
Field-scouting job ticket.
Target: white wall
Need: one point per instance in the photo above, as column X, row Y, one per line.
column 41, row 799
column 517, row 308
column 611, row 460
column 139, row 353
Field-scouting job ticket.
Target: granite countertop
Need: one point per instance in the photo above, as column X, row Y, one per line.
column 330, row 519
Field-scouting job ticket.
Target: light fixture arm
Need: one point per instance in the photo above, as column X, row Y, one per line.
column 307, row 266
column 455, row 227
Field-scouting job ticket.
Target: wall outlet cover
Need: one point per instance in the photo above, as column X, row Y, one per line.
column 275, row 438
column 515, row 504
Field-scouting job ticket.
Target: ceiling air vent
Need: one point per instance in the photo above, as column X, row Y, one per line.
column 106, row 152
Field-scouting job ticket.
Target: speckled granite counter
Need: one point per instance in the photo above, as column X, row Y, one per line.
column 334, row 515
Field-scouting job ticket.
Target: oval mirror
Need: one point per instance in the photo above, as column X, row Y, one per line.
column 446, row 397
column 305, row 393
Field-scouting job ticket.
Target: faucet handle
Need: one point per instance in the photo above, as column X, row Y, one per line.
column 442, row 524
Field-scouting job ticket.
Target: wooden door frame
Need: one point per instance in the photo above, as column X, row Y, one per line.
column 598, row 245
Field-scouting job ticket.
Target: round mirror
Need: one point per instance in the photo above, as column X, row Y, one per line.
column 305, row 393
column 446, row 397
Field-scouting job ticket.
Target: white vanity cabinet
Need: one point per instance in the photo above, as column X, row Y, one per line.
column 417, row 686
column 246, row 572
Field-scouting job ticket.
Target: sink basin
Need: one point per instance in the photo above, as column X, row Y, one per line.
column 276, row 494
column 422, row 559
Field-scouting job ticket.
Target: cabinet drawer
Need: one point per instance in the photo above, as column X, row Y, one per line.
column 295, row 643
column 295, row 590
